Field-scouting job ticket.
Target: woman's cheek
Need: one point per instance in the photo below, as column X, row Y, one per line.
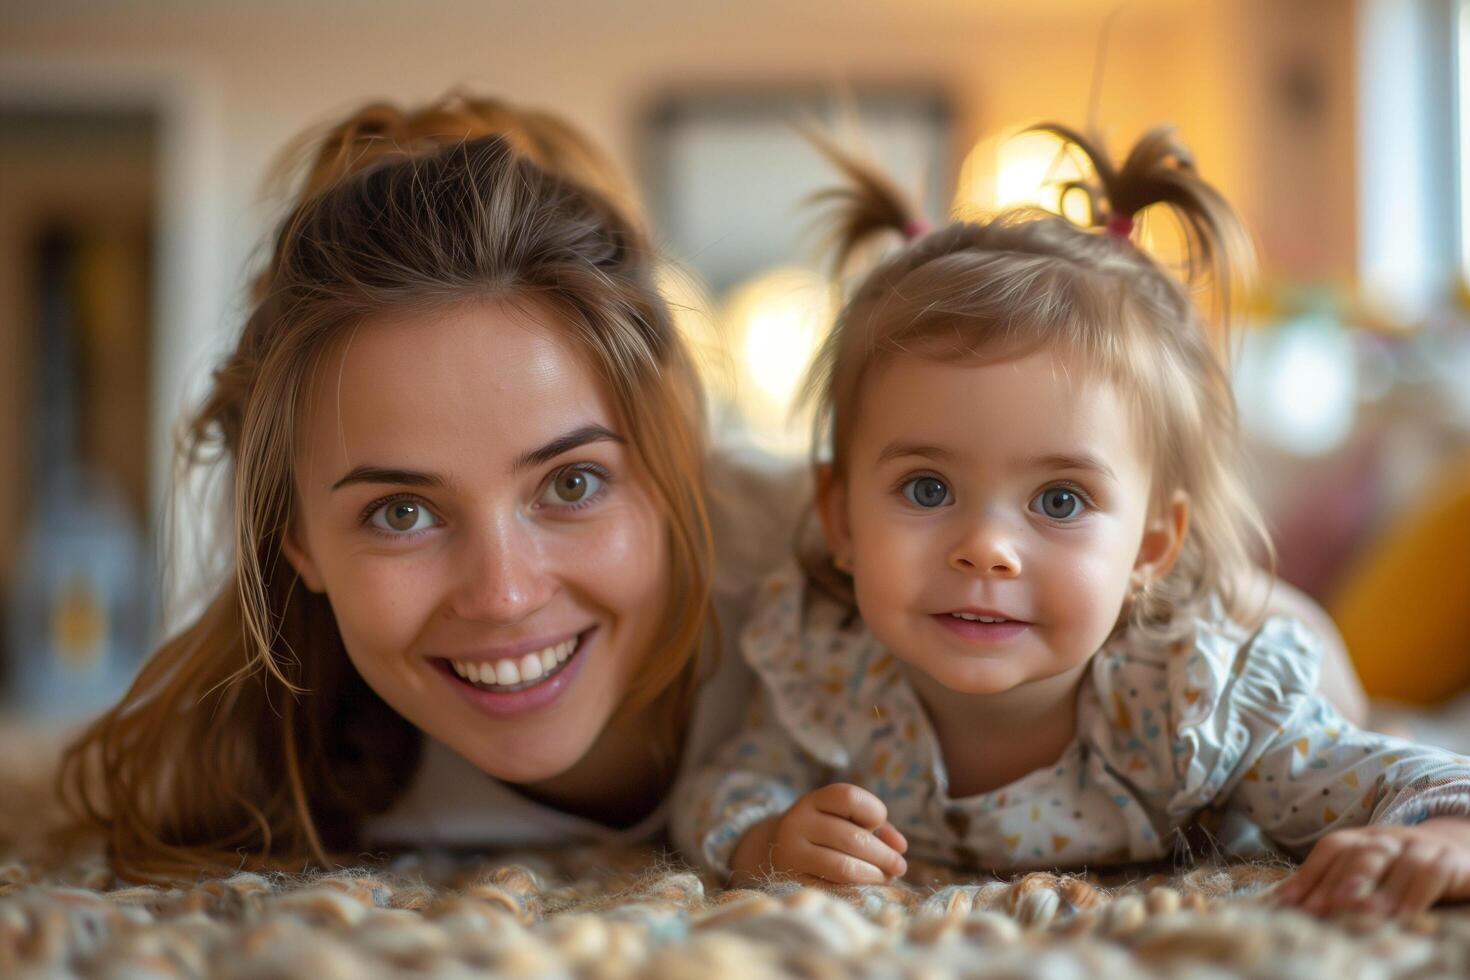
column 618, row 561
column 384, row 603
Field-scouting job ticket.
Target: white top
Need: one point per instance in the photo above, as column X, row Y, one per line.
column 756, row 505
column 1221, row 719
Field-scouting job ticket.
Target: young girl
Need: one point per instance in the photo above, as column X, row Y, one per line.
column 1024, row 646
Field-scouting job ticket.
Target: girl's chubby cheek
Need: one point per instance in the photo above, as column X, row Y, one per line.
column 1082, row 589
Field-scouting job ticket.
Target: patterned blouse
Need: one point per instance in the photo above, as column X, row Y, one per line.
column 1221, row 722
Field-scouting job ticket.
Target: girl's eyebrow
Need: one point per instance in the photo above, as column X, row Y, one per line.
column 534, row 457
column 1072, row 461
column 1050, row 461
column 895, row 450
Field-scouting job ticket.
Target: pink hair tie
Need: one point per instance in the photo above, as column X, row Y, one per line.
column 1121, row 225
column 915, row 228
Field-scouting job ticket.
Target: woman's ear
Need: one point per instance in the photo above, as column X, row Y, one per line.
column 299, row 555
column 832, row 509
column 1163, row 537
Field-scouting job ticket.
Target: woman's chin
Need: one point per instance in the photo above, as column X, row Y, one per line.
column 514, row 761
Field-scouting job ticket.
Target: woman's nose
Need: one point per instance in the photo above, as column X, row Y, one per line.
column 503, row 577
column 988, row 548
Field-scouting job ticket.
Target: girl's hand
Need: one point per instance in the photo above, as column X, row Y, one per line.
column 1392, row 870
column 838, row 835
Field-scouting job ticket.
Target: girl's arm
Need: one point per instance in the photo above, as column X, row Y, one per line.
column 754, row 777
column 1375, row 814
column 1340, row 684
column 759, row 808
column 838, row 834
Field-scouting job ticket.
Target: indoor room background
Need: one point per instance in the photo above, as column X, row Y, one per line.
column 137, row 141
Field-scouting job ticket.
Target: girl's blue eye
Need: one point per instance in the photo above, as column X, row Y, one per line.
column 572, row 486
column 1058, row 503
column 927, row 492
column 402, row 517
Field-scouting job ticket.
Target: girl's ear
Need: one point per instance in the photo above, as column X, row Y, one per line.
column 299, row 555
column 1163, row 537
column 832, row 509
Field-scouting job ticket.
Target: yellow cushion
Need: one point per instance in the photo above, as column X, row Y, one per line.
column 1404, row 607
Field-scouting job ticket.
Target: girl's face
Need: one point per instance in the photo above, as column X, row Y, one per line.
column 490, row 547
column 995, row 515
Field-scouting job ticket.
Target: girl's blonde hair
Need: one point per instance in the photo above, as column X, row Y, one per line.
column 1025, row 280
column 249, row 739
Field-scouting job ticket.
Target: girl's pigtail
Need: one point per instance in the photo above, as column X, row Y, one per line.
column 867, row 205
column 1160, row 170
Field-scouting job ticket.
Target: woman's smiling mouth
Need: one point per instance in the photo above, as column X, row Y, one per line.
column 524, row 681
column 516, row 673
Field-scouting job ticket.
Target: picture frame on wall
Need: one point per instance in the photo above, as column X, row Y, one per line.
column 729, row 173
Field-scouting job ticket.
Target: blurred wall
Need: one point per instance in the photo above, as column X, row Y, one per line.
column 235, row 81
column 93, row 174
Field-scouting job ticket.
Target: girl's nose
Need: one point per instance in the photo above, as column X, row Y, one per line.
column 503, row 578
column 989, row 550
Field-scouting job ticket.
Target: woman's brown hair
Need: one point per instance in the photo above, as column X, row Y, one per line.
column 248, row 739
column 1023, row 280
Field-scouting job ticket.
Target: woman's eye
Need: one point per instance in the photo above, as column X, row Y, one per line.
column 1058, row 503
column 572, row 486
column 927, row 491
column 402, row 516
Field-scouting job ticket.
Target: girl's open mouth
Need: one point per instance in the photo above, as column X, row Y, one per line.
column 981, row 628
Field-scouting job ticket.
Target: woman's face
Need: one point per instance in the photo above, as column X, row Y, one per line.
column 489, row 544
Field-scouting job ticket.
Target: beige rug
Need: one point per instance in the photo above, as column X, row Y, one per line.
column 599, row 913
column 622, row 913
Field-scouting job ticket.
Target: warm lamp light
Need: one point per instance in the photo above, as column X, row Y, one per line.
column 777, row 322
column 1024, row 170
column 694, row 316
column 1297, row 385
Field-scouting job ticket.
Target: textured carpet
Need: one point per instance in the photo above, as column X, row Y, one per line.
column 618, row 913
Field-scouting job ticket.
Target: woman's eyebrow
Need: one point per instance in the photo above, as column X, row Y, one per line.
column 566, row 443
column 382, row 474
column 535, row 457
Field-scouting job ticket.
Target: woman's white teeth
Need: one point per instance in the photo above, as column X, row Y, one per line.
column 972, row 618
column 510, row 672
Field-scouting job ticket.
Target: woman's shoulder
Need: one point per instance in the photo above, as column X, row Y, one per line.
column 757, row 504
